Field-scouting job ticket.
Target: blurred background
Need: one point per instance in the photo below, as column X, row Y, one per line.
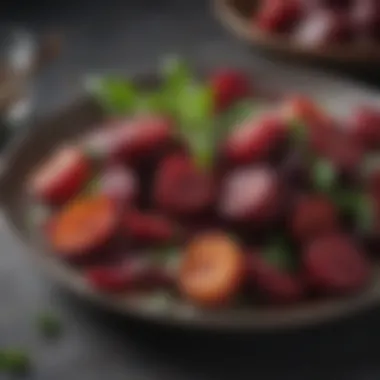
column 129, row 36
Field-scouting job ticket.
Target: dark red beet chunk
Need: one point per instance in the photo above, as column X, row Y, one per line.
column 109, row 279
column 133, row 275
column 180, row 188
column 142, row 136
column 278, row 15
column 148, row 228
column 273, row 285
column 229, row 86
column 334, row 265
column 365, row 127
column 251, row 194
column 255, row 140
column 313, row 216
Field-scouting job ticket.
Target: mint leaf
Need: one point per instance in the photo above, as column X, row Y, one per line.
column 194, row 112
column 279, row 254
column 324, row 175
column 116, row 95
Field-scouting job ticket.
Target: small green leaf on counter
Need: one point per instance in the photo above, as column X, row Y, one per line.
column 49, row 325
column 14, row 361
column 324, row 175
column 116, row 95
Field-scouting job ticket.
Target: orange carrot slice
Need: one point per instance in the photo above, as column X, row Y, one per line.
column 211, row 270
column 83, row 226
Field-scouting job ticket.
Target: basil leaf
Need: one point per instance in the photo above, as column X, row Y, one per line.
column 324, row 175
column 115, row 95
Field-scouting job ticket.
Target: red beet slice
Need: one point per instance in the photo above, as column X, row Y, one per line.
column 250, row 194
column 180, row 188
column 229, row 86
column 255, row 140
column 335, row 265
column 313, row 216
column 148, row 228
column 274, row 285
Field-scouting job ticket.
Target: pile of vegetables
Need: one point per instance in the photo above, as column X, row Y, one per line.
column 193, row 189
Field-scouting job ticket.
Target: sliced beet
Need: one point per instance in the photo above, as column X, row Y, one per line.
column 256, row 139
column 272, row 284
column 251, row 194
column 180, row 188
column 335, row 265
column 119, row 184
column 148, row 228
column 313, row 216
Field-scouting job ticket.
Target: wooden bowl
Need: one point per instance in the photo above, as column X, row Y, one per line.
column 236, row 16
column 32, row 146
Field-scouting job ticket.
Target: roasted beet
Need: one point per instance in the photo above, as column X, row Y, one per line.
column 365, row 126
column 313, row 216
column 335, row 265
column 148, row 228
column 62, row 177
column 278, row 15
column 229, row 86
column 250, row 195
column 272, row 284
column 133, row 275
column 180, row 188
column 256, row 139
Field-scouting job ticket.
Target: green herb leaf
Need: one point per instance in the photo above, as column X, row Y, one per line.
column 115, row 95
column 49, row 325
column 324, row 175
column 195, row 117
column 298, row 131
column 234, row 115
column 14, row 361
column 279, row 254
column 364, row 214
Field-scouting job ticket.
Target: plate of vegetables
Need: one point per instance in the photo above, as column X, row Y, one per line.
column 200, row 201
column 336, row 31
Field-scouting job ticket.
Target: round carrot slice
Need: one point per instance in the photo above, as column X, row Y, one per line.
column 211, row 270
column 83, row 226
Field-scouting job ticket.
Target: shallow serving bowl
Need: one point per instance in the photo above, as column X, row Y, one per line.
column 236, row 16
column 34, row 145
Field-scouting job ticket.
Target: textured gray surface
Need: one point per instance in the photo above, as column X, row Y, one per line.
column 129, row 36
